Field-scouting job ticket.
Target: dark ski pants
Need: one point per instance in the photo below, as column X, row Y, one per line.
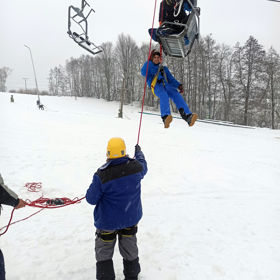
column 2, row 266
column 105, row 242
column 166, row 92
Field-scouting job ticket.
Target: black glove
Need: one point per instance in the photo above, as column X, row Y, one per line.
column 137, row 148
column 161, row 70
column 181, row 89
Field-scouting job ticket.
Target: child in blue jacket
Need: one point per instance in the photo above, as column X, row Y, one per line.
column 116, row 192
column 165, row 86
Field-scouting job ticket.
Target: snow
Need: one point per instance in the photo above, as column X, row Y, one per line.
column 210, row 198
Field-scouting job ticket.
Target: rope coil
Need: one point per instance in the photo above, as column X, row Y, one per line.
column 33, row 187
column 41, row 202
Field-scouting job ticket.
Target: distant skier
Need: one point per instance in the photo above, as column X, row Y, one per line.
column 7, row 197
column 12, row 100
column 165, row 86
column 116, row 192
column 40, row 105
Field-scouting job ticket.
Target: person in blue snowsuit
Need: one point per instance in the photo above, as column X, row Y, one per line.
column 167, row 12
column 116, row 192
column 165, row 86
column 7, row 197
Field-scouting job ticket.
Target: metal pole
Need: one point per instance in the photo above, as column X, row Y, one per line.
column 34, row 72
column 25, row 79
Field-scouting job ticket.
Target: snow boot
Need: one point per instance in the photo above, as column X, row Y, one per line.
column 105, row 270
column 189, row 118
column 167, row 119
column 131, row 269
column 192, row 119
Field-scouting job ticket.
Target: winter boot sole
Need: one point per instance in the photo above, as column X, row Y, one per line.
column 167, row 121
column 193, row 119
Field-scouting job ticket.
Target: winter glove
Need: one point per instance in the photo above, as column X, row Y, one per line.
column 161, row 70
column 137, row 148
column 181, row 89
column 21, row 203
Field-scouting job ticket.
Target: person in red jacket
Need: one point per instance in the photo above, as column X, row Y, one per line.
column 7, row 197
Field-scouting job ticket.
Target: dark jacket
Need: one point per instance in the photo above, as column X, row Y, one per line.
column 116, row 192
column 166, row 12
column 7, row 196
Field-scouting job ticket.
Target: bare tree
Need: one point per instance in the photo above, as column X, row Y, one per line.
column 126, row 50
column 73, row 71
column 249, row 62
column 58, row 81
column 226, row 78
column 106, row 59
column 4, row 73
column 273, row 78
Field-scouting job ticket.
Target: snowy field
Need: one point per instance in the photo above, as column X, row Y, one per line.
column 211, row 198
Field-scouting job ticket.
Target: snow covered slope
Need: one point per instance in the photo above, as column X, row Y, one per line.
column 210, row 198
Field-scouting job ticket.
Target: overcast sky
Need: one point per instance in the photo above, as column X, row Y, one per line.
column 42, row 25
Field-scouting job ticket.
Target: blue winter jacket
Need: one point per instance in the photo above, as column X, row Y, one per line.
column 152, row 71
column 116, row 192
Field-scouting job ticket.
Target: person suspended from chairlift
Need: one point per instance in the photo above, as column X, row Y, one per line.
column 173, row 11
column 165, row 86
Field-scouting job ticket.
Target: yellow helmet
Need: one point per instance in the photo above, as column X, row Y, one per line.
column 116, row 148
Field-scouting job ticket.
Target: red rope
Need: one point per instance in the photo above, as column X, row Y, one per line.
column 42, row 202
column 144, row 94
column 33, row 187
column 161, row 19
column 48, row 203
column 9, row 224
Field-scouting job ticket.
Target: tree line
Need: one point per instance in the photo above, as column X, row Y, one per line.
column 239, row 84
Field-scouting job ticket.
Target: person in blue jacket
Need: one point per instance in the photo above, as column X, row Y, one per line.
column 165, row 86
column 116, row 192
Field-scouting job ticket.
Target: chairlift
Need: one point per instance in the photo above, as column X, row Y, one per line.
column 78, row 27
column 180, row 44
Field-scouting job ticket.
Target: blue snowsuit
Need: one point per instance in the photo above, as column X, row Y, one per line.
column 165, row 88
column 116, row 192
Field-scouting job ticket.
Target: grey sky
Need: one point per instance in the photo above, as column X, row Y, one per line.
column 42, row 25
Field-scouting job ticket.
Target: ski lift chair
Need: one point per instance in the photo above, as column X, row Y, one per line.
column 180, row 45
column 79, row 20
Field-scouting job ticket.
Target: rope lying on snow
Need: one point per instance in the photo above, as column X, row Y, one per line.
column 33, row 187
column 42, row 202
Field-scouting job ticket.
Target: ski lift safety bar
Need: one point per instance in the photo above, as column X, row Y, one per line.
column 81, row 39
